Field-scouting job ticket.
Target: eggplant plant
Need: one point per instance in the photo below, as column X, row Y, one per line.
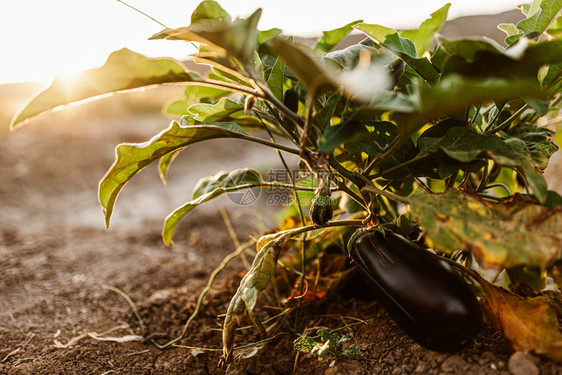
column 407, row 136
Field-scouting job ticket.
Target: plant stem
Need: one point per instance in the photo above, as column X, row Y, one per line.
column 268, row 95
column 273, row 145
column 383, row 155
column 507, row 122
column 143, row 13
column 128, row 299
column 372, row 189
column 399, row 166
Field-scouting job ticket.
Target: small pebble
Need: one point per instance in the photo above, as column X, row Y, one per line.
column 422, row 368
column 453, row 364
column 521, row 363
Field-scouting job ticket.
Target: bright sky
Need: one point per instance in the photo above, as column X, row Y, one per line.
column 42, row 38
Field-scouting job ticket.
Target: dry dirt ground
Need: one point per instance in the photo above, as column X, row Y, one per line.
column 57, row 259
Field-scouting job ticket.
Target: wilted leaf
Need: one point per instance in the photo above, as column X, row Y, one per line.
column 423, row 37
column 207, row 189
column 461, row 144
column 529, row 323
column 251, row 285
column 133, row 157
column 123, row 70
column 515, row 232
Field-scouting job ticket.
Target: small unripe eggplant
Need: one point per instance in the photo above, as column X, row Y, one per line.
column 291, row 99
column 425, row 296
column 321, row 210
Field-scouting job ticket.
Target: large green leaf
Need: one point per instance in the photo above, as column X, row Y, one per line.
column 207, row 189
column 465, row 146
column 331, row 38
column 133, row 157
column 538, row 141
column 123, row 70
column 423, row 37
column 404, row 48
column 540, row 15
column 508, row 234
column 538, row 22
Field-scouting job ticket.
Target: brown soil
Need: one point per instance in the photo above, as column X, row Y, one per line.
column 55, row 255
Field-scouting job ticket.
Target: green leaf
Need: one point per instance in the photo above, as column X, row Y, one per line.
column 303, row 65
column 212, row 27
column 538, row 140
column 353, row 351
column 349, row 131
column 423, row 37
column 266, row 35
column 515, row 232
column 123, row 70
column 209, row 188
column 304, row 344
column 454, row 94
column 195, row 93
column 461, row 144
column 475, row 58
column 277, row 78
column 533, row 277
column 537, row 23
column 348, row 58
column 177, row 108
column 164, row 164
column 210, row 10
column 331, row 38
column 131, row 158
column 466, row 48
column 404, row 48
column 220, row 111
column 553, row 199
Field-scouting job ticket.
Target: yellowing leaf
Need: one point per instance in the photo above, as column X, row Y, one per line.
column 251, row 285
column 515, row 232
column 530, row 324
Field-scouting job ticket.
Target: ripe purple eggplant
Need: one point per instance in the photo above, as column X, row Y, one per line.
column 425, row 296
